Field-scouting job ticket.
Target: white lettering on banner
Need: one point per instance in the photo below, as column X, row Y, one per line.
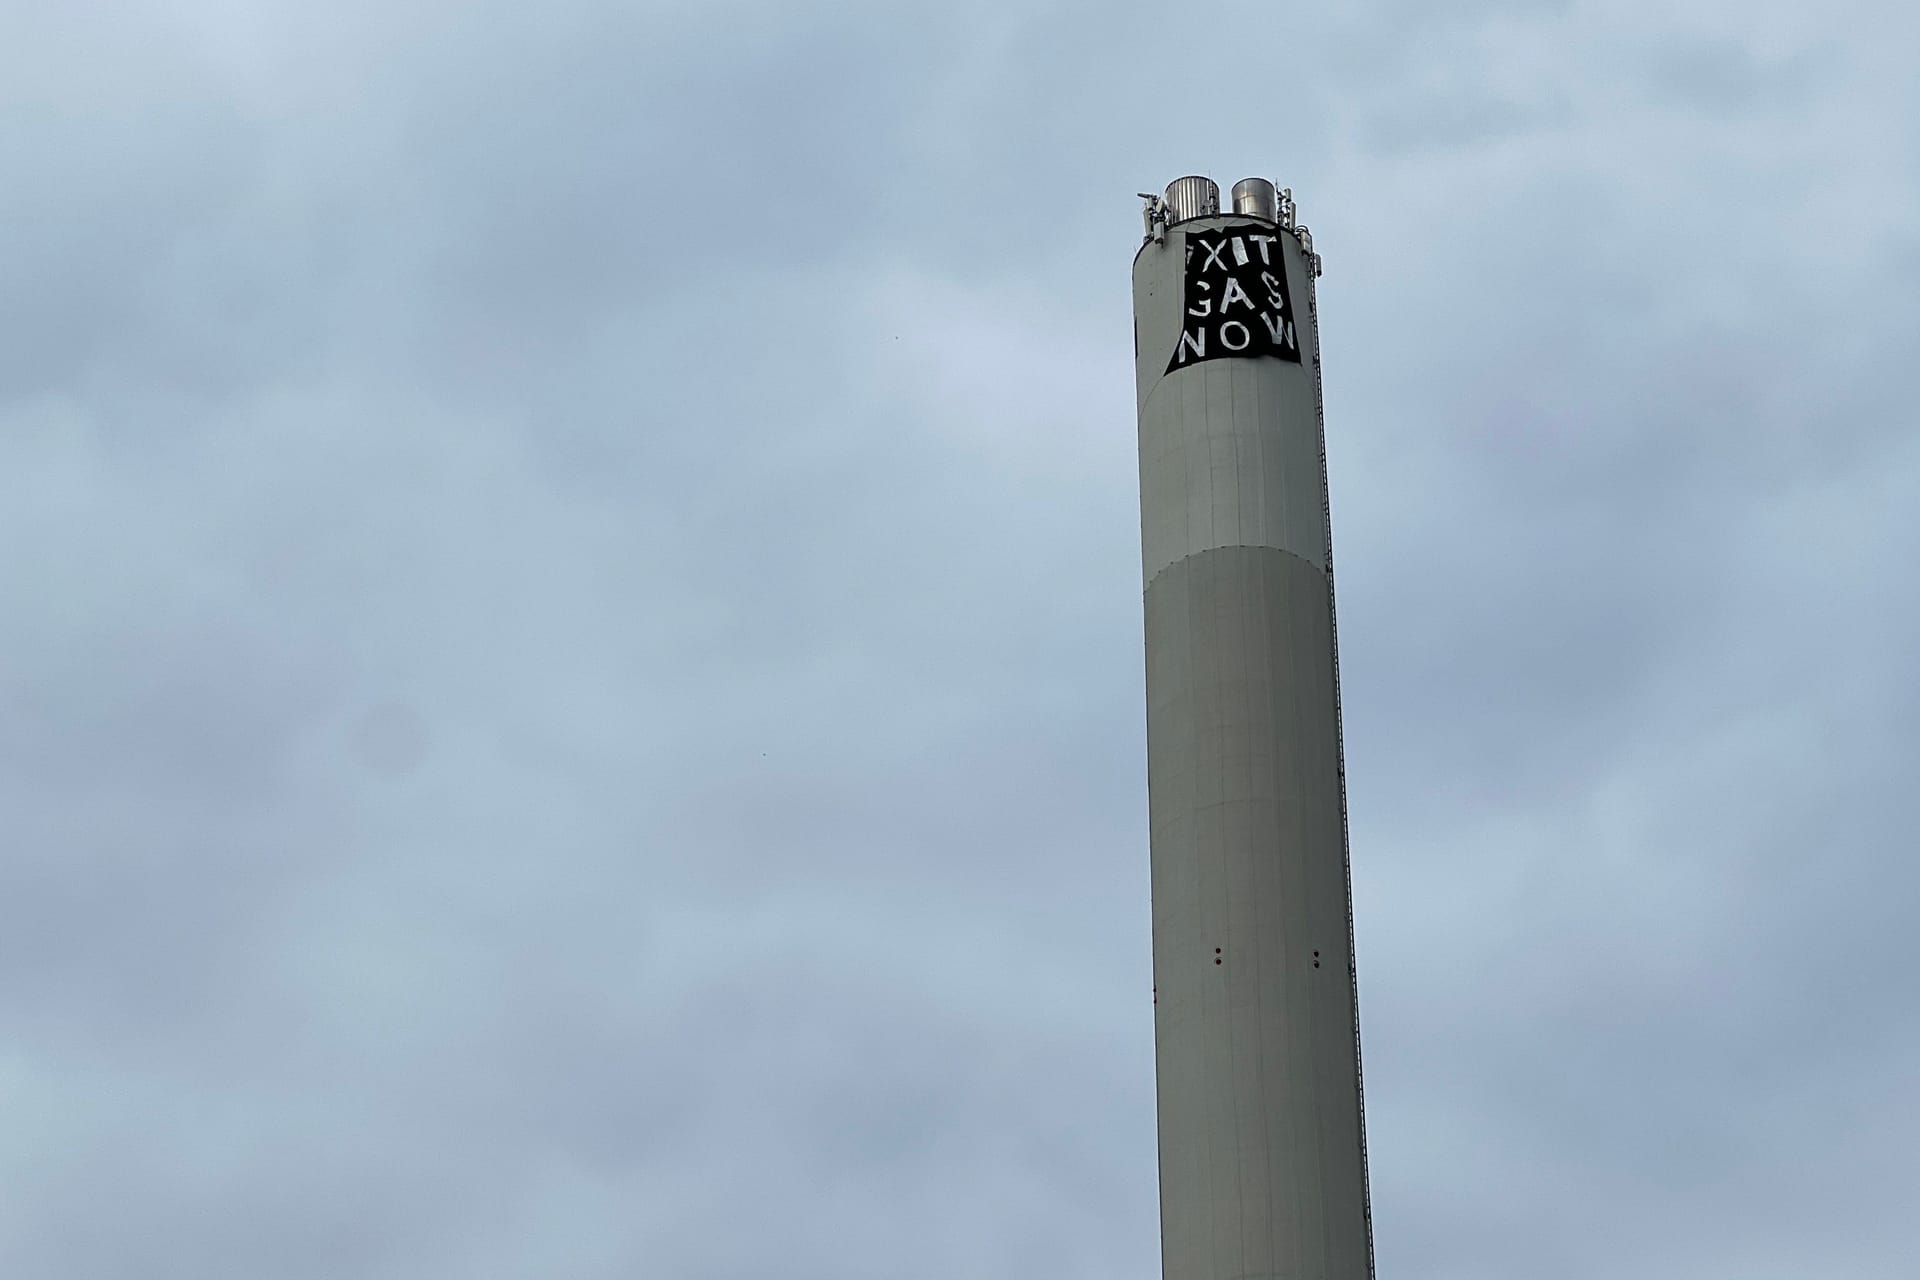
column 1276, row 292
column 1233, row 276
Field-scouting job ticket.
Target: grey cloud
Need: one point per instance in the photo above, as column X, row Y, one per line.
column 1455, row 119
column 1726, row 75
column 533, row 745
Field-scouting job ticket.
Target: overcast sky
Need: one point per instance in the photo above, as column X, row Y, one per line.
column 570, row 645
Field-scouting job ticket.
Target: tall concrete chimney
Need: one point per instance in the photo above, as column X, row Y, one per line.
column 1263, row 1166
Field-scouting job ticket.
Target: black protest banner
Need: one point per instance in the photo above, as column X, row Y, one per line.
column 1236, row 298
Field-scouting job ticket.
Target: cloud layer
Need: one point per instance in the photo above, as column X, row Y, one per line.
column 570, row 680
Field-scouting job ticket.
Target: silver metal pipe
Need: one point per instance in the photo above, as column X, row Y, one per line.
column 1192, row 197
column 1256, row 198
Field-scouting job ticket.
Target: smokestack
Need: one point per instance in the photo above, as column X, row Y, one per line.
column 1256, row 198
column 1192, row 198
column 1263, row 1169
